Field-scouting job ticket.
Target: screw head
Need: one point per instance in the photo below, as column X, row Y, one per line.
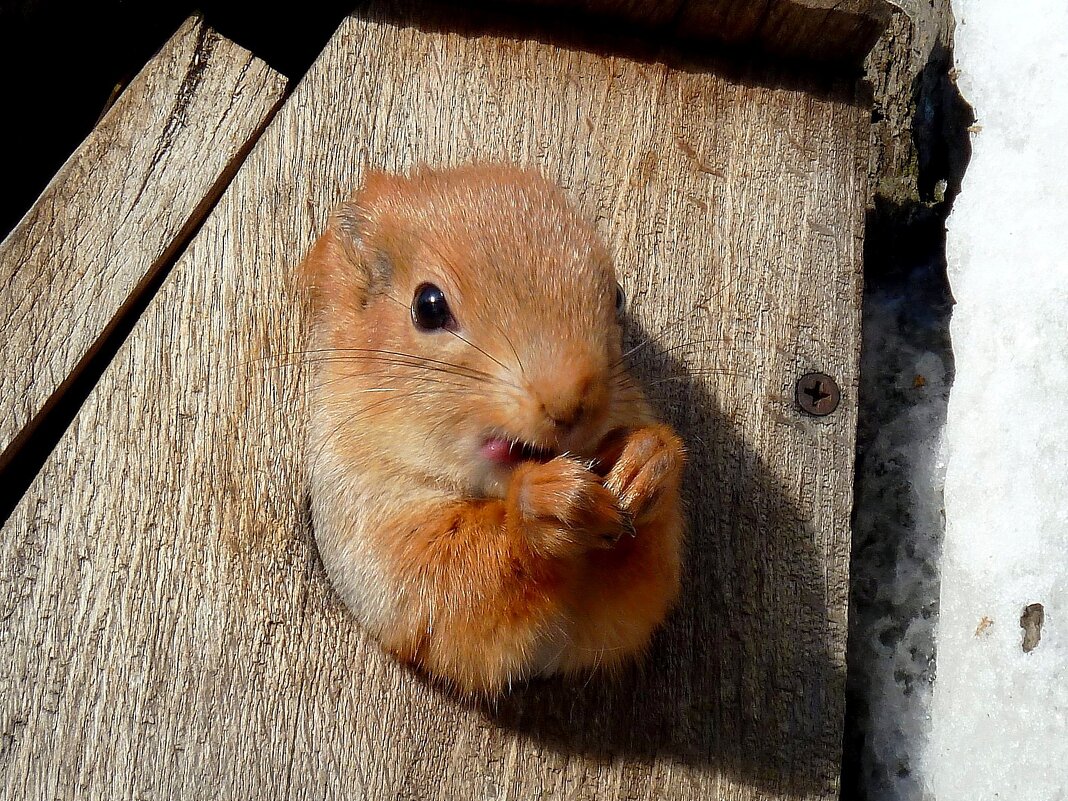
column 817, row 394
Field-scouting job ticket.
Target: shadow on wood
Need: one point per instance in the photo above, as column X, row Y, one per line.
column 745, row 676
column 571, row 29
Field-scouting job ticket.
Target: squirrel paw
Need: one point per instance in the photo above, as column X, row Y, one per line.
column 649, row 463
column 565, row 507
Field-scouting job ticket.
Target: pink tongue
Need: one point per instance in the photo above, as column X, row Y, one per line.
column 500, row 450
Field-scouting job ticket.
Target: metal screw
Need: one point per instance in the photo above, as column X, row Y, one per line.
column 817, row 394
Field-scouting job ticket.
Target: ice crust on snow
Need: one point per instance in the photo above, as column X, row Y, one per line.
column 999, row 717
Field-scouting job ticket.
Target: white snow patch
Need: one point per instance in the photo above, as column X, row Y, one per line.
column 999, row 715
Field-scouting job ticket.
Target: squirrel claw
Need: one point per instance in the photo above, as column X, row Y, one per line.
column 650, row 460
column 565, row 507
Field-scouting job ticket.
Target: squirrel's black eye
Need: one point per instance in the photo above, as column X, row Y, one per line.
column 429, row 308
column 621, row 300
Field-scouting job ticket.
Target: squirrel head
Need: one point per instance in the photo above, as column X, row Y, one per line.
column 464, row 320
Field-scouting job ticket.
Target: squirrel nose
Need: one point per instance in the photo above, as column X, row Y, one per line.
column 564, row 415
column 565, row 406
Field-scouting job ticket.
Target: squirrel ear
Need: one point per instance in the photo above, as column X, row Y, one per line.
column 344, row 260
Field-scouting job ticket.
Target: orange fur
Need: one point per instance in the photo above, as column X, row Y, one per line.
column 484, row 570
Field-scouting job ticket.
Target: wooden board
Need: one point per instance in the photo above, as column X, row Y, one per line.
column 121, row 206
column 840, row 31
column 165, row 627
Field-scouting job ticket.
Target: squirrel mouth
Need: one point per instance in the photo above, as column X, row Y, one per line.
column 510, row 452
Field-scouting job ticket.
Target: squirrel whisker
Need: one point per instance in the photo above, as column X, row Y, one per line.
column 507, row 339
column 698, row 373
column 415, row 367
column 449, row 386
column 622, row 367
column 412, row 377
column 685, row 317
column 349, row 419
column 420, row 360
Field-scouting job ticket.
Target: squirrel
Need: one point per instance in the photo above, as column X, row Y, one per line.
column 491, row 493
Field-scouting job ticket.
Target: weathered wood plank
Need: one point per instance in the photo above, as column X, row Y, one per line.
column 817, row 30
column 121, row 206
column 165, row 627
column 822, row 30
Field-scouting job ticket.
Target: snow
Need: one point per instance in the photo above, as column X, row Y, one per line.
column 999, row 716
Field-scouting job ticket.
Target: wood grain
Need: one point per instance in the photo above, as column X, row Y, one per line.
column 841, row 31
column 166, row 630
column 123, row 203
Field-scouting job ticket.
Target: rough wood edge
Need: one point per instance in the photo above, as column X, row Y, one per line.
column 824, row 31
column 26, row 453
